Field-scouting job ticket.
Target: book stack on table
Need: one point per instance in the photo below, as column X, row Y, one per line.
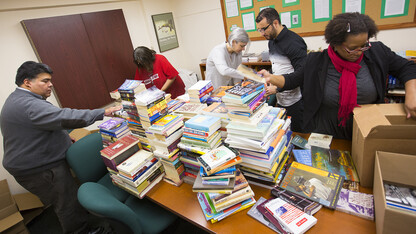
column 130, row 167
column 189, row 110
column 151, row 106
column 112, row 130
column 263, row 145
column 217, row 95
column 200, row 91
column 200, row 136
column 222, row 189
column 164, row 136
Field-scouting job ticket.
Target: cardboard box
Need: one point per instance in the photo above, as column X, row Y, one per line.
column 380, row 127
column 18, row 210
column 396, row 168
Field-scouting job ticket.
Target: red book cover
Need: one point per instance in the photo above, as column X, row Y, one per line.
column 119, row 146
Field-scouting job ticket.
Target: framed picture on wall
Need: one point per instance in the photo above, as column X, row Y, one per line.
column 165, row 31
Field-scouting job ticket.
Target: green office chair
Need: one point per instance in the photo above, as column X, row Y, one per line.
column 98, row 195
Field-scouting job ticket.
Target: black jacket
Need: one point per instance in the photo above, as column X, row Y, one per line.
column 380, row 60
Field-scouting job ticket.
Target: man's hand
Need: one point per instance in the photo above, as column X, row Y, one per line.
column 110, row 111
column 266, row 75
column 271, row 89
column 410, row 99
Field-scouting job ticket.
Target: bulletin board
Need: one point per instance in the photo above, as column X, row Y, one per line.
column 302, row 14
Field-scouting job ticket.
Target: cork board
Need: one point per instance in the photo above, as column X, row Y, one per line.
column 307, row 26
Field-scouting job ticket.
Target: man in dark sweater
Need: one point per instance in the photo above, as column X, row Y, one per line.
column 35, row 142
column 287, row 54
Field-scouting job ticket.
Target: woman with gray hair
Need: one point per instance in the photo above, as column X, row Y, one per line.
column 224, row 58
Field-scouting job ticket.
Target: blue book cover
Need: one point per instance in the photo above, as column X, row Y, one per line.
column 203, row 122
column 303, row 156
column 231, row 170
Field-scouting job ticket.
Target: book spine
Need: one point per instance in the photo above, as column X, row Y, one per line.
column 206, row 92
column 145, row 175
column 195, row 131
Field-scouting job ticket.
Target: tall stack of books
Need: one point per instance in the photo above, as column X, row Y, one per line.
column 164, row 136
column 151, row 106
column 245, row 101
column 200, row 91
column 263, row 147
column 139, row 173
column 200, row 136
column 127, row 92
column 220, row 194
column 112, row 130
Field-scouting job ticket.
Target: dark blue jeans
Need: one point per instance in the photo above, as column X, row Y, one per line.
column 57, row 187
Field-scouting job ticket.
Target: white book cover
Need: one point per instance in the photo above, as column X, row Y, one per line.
column 320, row 140
column 216, row 157
column 130, row 165
column 291, row 217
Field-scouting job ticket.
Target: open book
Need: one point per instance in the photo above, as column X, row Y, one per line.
column 250, row 73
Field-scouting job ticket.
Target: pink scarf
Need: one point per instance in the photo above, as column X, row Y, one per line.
column 347, row 84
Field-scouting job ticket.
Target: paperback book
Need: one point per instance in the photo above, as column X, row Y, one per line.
column 216, row 157
column 254, row 213
column 400, row 197
column 304, row 204
column 318, row 185
column 335, row 161
column 356, row 203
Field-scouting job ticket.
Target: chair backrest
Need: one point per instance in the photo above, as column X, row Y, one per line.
column 85, row 159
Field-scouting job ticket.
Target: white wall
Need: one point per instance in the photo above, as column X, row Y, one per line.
column 199, row 27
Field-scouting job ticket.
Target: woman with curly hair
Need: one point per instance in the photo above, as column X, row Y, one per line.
column 351, row 72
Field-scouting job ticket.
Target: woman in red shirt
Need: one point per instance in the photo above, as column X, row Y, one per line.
column 155, row 69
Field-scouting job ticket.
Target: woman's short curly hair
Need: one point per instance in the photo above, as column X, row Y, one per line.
column 343, row 25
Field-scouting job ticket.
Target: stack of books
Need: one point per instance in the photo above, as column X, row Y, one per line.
column 202, row 130
column 245, row 100
column 164, row 136
column 217, row 206
column 116, row 153
column 139, row 173
column 112, row 130
column 264, row 147
column 200, row 136
column 151, row 106
column 127, row 92
column 189, row 110
column 137, row 130
column 251, row 57
column 200, row 91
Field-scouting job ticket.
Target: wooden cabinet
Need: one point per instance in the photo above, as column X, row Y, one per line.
column 90, row 55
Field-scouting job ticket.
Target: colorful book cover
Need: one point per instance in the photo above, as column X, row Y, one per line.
column 216, row 157
column 308, row 206
column 289, row 216
column 164, row 122
column 318, row 185
column 244, row 88
column 269, row 216
column 335, row 161
column 300, row 142
column 203, row 122
column 111, row 124
column 356, row 203
column 303, row 156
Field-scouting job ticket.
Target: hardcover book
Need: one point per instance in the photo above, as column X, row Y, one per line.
column 335, row 161
column 117, row 152
column 205, row 123
column 308, row 206
column 315, row 184
column 254, row 213
column 356, row 203
column 289, row 216
column 300, row 142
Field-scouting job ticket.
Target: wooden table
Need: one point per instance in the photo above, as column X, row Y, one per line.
column 183, row 202
column 254, row 65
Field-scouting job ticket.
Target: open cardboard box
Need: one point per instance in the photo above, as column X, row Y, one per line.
column 79, row 133
column 380, row 127
column 18, row 210
column 396, row 168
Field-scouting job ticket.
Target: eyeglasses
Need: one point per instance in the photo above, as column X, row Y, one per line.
column 362, row 49
column 262, row 30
